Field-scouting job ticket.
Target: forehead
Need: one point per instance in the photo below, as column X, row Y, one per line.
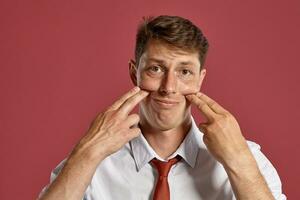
column 157, row 50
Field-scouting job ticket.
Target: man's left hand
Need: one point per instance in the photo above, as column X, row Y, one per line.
column 222, row 134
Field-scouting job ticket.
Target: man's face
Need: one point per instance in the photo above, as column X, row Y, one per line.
column 168, row 74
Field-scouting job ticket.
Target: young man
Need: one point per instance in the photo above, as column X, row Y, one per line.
column 161, row 153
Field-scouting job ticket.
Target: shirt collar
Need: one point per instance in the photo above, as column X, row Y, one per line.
column 188, row 150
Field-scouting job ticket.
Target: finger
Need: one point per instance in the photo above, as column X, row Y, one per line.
column 123, row 98
column 132, row 120
column 211, row 103
column 208, row 113
column 130, row 103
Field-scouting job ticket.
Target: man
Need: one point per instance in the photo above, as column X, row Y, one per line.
column 161, row 153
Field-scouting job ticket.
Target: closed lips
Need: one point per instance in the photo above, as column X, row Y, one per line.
column 166, row 101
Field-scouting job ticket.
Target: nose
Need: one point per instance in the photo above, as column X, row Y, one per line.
column 168, row 84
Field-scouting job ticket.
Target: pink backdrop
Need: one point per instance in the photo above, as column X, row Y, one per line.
column 61, row 62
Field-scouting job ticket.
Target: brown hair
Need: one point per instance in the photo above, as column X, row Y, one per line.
column 173, row 30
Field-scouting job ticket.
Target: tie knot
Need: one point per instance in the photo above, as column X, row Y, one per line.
column 162, row 167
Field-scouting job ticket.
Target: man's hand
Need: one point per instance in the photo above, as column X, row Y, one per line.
column 107, row 134
column 222, row 134
column 224, row 140
column 113, row 128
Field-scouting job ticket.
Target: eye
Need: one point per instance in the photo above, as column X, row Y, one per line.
column 155, row 69
column 186, row 72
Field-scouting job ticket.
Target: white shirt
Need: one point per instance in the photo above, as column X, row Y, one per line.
column 128, row 175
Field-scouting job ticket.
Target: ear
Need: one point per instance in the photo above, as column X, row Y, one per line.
column 132, row 71
column 202, row 76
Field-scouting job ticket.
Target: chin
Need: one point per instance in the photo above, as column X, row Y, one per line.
column 165, row 123
column 164, row 126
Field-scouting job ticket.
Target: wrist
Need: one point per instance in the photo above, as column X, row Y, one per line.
column 244, row 165
column 246, row 179
column 84, row 154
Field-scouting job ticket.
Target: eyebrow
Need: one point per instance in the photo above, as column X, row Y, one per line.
column 163, row 62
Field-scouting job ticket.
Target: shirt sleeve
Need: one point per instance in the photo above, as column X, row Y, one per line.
column 268, row 171
column 53, row 176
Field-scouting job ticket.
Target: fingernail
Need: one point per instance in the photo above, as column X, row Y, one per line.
column 199, row 94
column 143, row 92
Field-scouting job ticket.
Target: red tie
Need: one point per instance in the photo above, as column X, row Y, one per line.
column 162, row 191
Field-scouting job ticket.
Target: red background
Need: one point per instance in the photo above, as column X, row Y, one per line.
column 61, row 62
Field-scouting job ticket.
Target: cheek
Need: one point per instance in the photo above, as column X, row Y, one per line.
column 148, row 84
column 188, row 88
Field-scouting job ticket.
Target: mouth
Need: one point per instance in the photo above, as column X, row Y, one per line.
column 165, row 103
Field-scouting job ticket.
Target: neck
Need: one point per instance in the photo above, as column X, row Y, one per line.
column 165, row 142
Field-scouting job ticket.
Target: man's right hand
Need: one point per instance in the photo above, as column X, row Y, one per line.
column 109, row 132
column 113, row 128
